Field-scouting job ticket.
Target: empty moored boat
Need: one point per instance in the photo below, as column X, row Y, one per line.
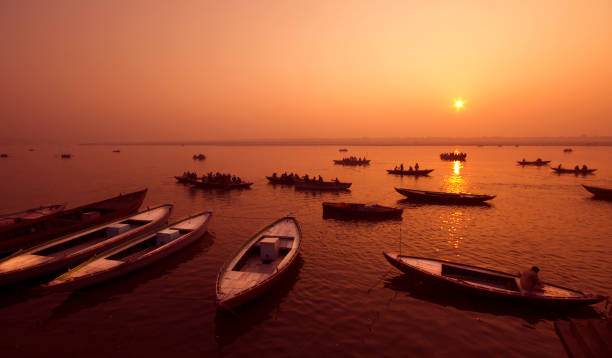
column 485, row 282
column 259, row 263
column 437, row 197
column 360, row 211
column 420, row 172
column 27, row 233
column 64, row 252
column 135, row 254
column 599, row 193
column 30, row 214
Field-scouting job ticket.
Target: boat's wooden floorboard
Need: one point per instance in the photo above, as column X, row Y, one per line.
column 79, row 247
column 22, row 261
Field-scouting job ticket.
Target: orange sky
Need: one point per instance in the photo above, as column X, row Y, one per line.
column 196, row 70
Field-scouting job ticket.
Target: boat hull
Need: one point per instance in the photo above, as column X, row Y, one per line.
column 465, row 287
column 574, row 171
column 64, row 222
column 322, row 186
column 360, row 211
column 416, row 173
column 599, row 193
column 444, row 198
column 282, row 181
column 535, row 163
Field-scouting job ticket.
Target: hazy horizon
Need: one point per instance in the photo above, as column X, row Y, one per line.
column 144, row 71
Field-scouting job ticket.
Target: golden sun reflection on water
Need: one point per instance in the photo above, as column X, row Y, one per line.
column 455, row 183
column 454, row 224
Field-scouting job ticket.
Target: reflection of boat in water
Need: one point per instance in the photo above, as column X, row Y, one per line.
column 360, row 211
column 420, row 172
column 443, row 198
column 30, row 214
column 538, row 162
column 27, row 233
column 488, row 283
column 135, row 254
column 259, row 263
column 599, row 193
column 64, row 252
column 321, row 185
column 574, row 171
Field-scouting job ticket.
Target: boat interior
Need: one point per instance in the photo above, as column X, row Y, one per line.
column 480, row 277
column 265, row 255
column 67, row 247
column 161, row 238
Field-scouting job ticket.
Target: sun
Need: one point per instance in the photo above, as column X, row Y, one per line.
column 459, row 104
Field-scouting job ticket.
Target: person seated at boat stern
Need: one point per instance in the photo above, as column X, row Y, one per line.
column 530, row 282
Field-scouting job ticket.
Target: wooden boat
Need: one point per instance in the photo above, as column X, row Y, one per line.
column 185, row 179
column 574, row 171
column 199, row 156
column 259, row 263
column 321, row 185
column 135, row 254
column 343, row 150
column 3, row 155
column 535, row 162
column 66, row 156
column 30, row 214
column 443, row 198
column 346, row 161
column 599, row 193
column 420, row 172
column 568, row 150
column 485, row 282
column 116, row 151
column 360, row 211
column 224, row 186
column 64, row 252
column 287, row 180
column 27, row 233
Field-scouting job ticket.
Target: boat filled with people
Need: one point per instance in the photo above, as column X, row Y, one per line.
column 305, row 183
column 213, row 181
column 199, row 156
column 454, row 156
column 437, row 197
column 400, row 170
column 285, row 179
column 352, row 160
column 584, row 170
column 64, row 252
column 26, row 233
column 360, row 211
column 488, row 283
column 259, row 263
column 538, row 162
column 135, row 254
column 599, row 192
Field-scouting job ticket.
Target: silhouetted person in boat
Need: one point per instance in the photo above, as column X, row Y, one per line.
column 530, row 281
column 416, row 166
column 559, row 166
column 273, row 175
column 410, row 169
column 402, row 167
column 336, row 180
column 523, row 160
column 576, row 168
column 320, row 179
column 584, row 167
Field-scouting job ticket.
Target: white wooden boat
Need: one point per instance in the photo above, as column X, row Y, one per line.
column 135, row 254
column 485, row 282
column 67, row 251
column 259, row 263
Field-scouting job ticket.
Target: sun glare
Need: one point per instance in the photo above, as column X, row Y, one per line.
column 458, row 104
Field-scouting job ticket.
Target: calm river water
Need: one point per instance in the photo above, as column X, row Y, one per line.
column 342, row 298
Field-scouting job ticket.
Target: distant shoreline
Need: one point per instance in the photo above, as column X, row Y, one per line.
column 484, row 141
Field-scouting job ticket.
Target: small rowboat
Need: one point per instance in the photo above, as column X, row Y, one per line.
column 420, row 172
column 360, row 211
column 538, row 163
column 30, row 214
column 574, row 171
column 185, row 179
column 287, row 180
column 259, row 263
column 224, row 186
column 30, row 232
column 599, row 193
column 321, row 185
column 443, row 198
column 485, row 282
column 67, row 251
column 135, row 254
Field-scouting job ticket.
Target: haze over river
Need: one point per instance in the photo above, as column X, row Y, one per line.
column 342, row 298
